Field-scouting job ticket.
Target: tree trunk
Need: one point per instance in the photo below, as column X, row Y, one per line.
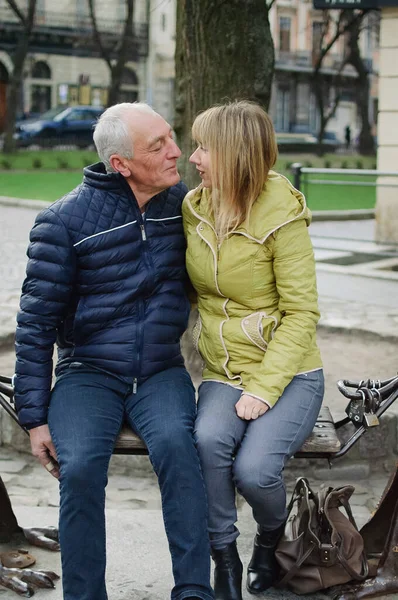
column 116, row 67
column 224, row 52
column 366, row 141
column 116, row 73
column 318, row 87
column 15, row 85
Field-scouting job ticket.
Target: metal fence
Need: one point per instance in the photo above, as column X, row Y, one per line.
column 355, row 185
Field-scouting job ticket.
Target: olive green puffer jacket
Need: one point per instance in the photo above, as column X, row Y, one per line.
column 257, row 295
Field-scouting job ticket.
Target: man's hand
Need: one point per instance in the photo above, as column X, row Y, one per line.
column 43, row 449
column 249, row 408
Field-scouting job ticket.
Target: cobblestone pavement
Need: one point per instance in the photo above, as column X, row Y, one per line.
column 28, row 484
column 136, row 536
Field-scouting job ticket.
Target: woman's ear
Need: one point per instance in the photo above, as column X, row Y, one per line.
column 120, row 165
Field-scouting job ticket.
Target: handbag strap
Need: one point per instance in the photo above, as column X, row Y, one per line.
column 295, row 568
column 354, row 575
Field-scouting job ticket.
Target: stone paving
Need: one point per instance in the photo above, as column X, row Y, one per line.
column 132, row 484
column 138, row 559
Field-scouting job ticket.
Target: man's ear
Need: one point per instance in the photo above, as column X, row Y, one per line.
column 120, row 165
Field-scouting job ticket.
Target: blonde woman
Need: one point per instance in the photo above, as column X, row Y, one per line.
column 250, row 259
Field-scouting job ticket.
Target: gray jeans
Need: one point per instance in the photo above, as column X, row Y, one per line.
column 249, row 456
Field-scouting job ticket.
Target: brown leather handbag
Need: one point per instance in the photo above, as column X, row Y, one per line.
column 320, row 547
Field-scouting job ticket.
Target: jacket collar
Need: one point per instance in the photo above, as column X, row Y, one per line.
column 278, row 204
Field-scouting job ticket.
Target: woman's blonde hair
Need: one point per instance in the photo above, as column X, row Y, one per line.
column 241, row 141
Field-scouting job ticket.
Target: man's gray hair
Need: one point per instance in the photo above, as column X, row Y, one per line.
column 112, row 134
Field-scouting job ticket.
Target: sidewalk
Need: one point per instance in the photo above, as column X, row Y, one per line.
column 138, row 560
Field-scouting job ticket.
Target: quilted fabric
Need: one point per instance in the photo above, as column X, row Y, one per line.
column 105, row 284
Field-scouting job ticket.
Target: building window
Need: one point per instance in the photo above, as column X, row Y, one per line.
column 283, row 109
column 121, row 11
column 82, row 13
column 40, row 99
column 284, row 34
column 163, row 21
column 303, row 106
column 40, row 15
column 41, row 70
column 129, row 87
column 317, row 38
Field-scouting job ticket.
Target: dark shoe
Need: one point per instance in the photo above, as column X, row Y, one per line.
column 263, row 569
column 227, row 573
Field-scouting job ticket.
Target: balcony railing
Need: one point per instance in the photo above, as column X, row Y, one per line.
column 69, row 30
column 304, row 60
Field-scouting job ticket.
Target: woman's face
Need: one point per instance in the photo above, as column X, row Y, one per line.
column 201, row 158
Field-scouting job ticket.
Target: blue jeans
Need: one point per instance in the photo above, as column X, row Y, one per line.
column 250, row 455
column 86, row 412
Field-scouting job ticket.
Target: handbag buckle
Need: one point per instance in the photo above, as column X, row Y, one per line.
column 328, row 553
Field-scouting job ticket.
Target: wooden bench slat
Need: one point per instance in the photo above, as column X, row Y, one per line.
column 322, row 439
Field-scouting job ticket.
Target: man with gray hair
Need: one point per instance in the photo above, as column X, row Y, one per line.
column 106, row 282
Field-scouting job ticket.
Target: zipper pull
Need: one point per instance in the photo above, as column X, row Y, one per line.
column 143, row 232
column 135, row 385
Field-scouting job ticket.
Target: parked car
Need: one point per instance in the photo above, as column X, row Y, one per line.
column 59, row 126
column 306, row 142
column 296, row 142
column 331, row 140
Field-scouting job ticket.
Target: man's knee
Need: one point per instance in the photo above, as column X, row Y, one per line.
column 80, row 474
column 173, row 442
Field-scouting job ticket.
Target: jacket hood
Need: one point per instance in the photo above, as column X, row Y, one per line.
column 278, row 204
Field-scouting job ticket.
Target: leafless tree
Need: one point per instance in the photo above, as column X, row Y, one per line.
column 26, row 19
column 366, row 144
column 121, row 50
column 336, row 24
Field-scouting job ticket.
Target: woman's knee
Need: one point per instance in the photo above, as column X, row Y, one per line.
column 252, row 476
column 213, row 443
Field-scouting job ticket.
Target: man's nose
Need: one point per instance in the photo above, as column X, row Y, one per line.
column 174, row 150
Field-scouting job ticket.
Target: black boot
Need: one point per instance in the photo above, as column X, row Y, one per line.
column 227, row 573
column 263, row 569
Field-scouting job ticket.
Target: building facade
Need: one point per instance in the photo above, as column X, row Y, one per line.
column 296, row 28
column 64, row 65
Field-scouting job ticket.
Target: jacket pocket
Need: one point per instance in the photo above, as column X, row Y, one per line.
column 259, row 328
column 196, row 331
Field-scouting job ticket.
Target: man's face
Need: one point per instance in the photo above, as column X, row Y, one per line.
column 154, row 165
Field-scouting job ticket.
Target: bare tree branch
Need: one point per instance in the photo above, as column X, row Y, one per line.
column 14, row 7
column 18, row 59
column 117, row 56
column 97, row 36
column 340, row 29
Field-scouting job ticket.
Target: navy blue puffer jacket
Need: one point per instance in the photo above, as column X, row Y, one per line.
column 106, row 284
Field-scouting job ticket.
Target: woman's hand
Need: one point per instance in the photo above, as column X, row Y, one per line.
column 249, row 407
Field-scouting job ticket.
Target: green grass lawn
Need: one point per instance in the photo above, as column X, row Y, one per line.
column 338, row 197
column 48, row 159
column 38, row 185
column 57, row 172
